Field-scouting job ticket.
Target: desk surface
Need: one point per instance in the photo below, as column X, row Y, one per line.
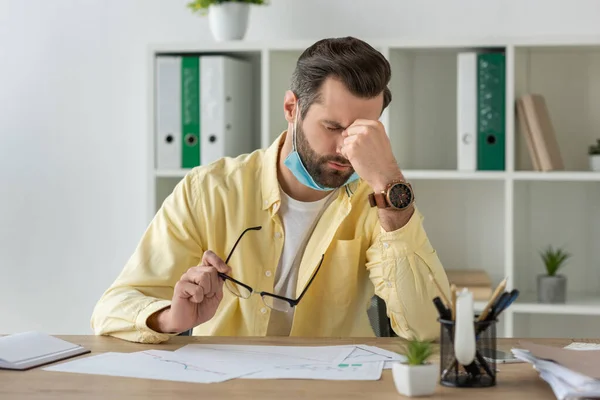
column 513, row 380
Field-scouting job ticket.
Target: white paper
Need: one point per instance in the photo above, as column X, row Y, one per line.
column 564, row 382
column 265, row 357
column 202, row 363
column 364, row 353
column 161, row 365
column 349, row 372
column 583, row 346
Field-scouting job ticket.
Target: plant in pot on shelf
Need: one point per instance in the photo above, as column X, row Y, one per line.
column 594, row 154
column 552, row 286
column 416, row 376
column 228, row 19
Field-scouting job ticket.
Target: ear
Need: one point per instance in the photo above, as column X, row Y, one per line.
column 289, row 106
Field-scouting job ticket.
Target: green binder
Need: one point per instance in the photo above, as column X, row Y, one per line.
column 491, row 105
column 190, row 112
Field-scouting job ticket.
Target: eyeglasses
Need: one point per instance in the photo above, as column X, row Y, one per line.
column 271, row 300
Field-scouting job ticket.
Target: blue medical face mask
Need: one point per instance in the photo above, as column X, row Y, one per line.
column 294, row 163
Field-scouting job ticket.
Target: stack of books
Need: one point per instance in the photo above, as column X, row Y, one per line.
column 476, row 281
column 534, row 123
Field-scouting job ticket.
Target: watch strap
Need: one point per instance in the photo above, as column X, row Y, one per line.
column 378, row 200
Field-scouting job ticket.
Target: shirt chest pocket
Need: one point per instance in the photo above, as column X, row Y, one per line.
column 346, row 269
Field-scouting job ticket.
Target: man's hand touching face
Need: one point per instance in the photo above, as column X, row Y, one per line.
column 367, row 146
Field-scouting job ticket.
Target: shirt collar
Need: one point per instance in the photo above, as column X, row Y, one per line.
column 270, row 179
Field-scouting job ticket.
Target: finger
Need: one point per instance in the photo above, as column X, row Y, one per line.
column 207, row 277
column 200, row 285
column 367, row 122
column 189, row 290
column 215, row 283
column 195, row 274
column 355, row 130
column 198, row 296
column 210, row 258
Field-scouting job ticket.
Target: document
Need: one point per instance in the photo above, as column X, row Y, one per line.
column 370, row 371
column 571, row 372
column 583, row 346
column 365, row 354
column 267, row 356
column 212, row 363
column 153, row 364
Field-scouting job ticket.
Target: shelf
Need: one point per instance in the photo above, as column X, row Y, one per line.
column 410, row 174
column 171, row 173
column 576, row 41
column 424, row 174
column 582, row 176
column 455, row 175
column 491, row 220
column 576, row 304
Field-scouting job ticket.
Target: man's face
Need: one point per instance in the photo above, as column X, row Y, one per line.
column 319, row 135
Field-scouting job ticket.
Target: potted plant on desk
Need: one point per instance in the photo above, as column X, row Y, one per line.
column 551, row 286
column 416, row 376
column 228, row 19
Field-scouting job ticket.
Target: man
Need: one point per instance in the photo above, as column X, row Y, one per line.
column 305, row 221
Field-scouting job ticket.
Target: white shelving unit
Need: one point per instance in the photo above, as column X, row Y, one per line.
column 495, row 220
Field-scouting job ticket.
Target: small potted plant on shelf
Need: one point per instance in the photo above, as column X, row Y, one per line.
column 594, row 154
column 228, row 19
column 416, row 376
column 551, row 286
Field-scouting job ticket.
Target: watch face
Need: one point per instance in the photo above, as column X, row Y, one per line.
column 400, row 195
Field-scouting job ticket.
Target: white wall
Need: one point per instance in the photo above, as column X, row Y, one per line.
column 73, row 124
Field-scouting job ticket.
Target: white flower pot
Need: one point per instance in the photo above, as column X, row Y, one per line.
column 595, row 162
column 229, row 20
column 415, row 380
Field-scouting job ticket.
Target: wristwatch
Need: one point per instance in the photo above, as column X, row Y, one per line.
column 398, row 195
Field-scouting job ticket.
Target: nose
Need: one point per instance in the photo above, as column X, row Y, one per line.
column 339, row 143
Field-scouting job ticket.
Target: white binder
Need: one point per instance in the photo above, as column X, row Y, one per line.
column 226, row 128
column 466, row 111
column 168, row 112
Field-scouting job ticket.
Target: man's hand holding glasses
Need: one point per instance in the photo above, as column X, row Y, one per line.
column 200, row 291
column 196, row 297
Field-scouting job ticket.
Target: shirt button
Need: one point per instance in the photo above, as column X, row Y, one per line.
column 263, row 310
column 389, row 284
column 277, row 235
column 268, row 273
column 386, row 245
column 266, row 203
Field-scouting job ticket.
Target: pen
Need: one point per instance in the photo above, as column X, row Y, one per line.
column 492, row 300
column 442, row 310
column 442, row 295
column 508, row 300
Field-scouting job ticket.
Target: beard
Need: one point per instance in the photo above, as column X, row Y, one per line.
column 316, row 165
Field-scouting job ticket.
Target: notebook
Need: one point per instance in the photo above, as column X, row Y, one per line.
column 26, row 350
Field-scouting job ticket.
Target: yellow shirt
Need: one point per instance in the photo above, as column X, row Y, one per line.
column 209, row 209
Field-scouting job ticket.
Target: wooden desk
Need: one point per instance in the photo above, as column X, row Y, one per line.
column 514, row 381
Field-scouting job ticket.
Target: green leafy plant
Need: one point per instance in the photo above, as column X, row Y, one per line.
column 554, row 259
column 418, row 352
column 594, row 149
column 201, row 6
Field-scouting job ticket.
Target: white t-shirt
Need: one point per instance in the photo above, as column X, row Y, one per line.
column 298, row 220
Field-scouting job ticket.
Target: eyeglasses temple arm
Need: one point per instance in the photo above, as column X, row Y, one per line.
column 311, row 279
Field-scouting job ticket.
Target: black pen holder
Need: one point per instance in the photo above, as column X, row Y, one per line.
column 481, row 372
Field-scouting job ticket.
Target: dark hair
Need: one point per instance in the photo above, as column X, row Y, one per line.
column 363, row 70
